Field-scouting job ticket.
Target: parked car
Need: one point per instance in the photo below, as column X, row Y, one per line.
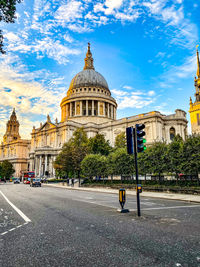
column 35, row 182
column 16, row 181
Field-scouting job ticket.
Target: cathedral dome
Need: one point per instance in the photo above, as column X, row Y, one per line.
column 88, row 77
column 88, row 97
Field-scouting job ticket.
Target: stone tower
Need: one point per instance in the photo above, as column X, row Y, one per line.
column 195, row 107
column 12, row 129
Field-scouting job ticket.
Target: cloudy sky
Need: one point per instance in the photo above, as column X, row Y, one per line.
column 145, row 49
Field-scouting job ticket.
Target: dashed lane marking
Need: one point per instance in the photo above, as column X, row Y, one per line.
column 4, row 233
column 11, row 229
column 26, row 219
column 14, row 228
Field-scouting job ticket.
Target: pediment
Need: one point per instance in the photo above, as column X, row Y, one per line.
column 47, row 126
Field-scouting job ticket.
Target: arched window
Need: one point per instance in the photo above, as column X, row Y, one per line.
column 172, row 133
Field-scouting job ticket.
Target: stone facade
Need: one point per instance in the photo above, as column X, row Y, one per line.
column 13, row 148
column 195, row 107
column 89, row 104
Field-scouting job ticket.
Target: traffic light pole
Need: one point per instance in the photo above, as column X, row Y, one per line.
column 136, row 173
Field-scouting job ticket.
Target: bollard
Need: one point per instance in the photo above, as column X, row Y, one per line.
column 122, row 200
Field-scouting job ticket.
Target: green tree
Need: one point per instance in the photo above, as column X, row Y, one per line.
column 120, row 140
column 98, row 145
column 144, row 163
column 191, row 155
column 63, row 163
column 121, row 163
column 7, row 14
column 73, row 152
column 174, row 154
column 6, row 169
column 158, row 160
column 94, row 165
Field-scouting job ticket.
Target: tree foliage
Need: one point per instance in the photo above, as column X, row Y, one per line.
column 98, row 145
column 174, row 154
column 95, row 157
column 7, row 14
column 6, row 169
column 191, row 155
column 120, row 140
column 94, row 165
column 157, row 158
column 121, row 163
column 73, row 152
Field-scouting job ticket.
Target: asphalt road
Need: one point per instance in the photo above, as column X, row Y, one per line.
column 60, row 227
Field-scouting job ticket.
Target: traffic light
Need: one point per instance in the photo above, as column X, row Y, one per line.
column 129, row 140
column 141, row 141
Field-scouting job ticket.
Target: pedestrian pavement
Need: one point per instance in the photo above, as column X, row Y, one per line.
column 165, row 195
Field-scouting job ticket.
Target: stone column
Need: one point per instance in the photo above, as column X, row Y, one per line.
column 104, row 109
column 111, row 115
column 86, row 107
column 45, row 166
column 31, row 165
column 92, row 107
column 53, row 167
column 98, row 109
column 36, row 167
column 108, row 105
column 75, row 109
column 70, row 109
column 40, row 166
column 81, row 108
column 50, row 166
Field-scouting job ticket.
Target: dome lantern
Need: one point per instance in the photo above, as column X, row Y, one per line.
column 89, row 60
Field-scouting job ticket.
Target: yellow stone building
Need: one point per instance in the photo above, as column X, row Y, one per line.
column 13, row 148
column 89, row 104
column 195, row 107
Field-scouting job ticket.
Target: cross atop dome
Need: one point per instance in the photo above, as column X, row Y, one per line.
column 88, row 60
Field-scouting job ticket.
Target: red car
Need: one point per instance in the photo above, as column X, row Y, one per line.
column 26, row 182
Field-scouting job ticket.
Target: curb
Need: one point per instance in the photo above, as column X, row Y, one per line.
column 169, row 196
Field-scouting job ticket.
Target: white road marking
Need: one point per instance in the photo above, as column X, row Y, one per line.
column 4, row 233
column 19, row 226
column 26, row 219
column 11, row 229
column 174, row 207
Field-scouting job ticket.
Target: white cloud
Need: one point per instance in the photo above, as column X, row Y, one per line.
column 20, row 89
column 111, row 5
column 187, row 69
column 128, row 87
column 151, row 93
column 69, row 12
column 136, row 99
column 184, row 32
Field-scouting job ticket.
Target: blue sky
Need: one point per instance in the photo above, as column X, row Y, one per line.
column 145, row 49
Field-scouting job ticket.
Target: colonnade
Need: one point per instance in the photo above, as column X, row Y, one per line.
column 89, row 108
column 43, row 165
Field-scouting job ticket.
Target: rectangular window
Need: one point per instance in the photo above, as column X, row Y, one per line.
column 198, row 119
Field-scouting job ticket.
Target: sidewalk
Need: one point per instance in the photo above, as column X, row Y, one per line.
column 182, row 197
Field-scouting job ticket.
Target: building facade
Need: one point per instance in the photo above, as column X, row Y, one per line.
column 13, row 148
column 195, row 107
column 89, row 104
